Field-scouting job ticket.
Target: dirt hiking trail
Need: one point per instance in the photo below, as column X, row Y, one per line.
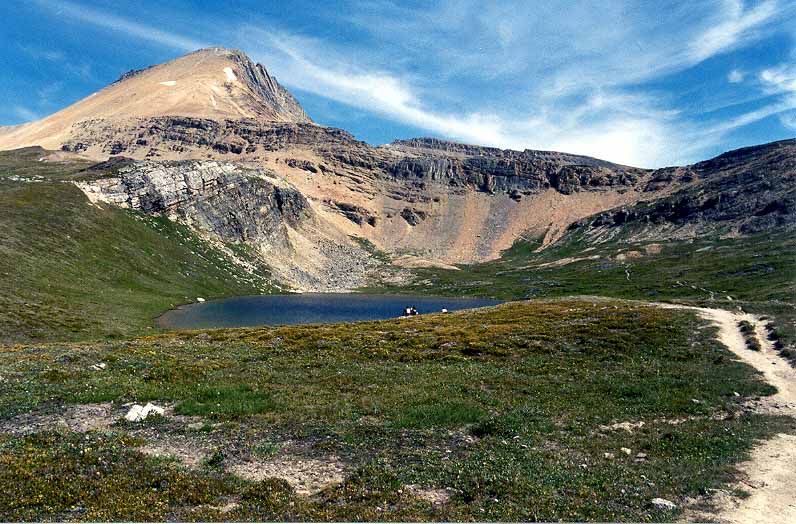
column 770, row 475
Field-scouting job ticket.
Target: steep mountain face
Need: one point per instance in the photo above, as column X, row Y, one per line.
column 233, row 204
column 744, row 191
column 238, row 206
column 212, row 83
column 516, row 172
column 212, row 140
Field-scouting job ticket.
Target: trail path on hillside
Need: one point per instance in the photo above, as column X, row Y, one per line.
column 770, row 475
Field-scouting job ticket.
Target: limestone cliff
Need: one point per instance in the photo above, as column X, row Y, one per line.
column 238, row 206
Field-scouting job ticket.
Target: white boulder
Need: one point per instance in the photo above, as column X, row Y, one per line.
column 138, row 412
column 663, row 504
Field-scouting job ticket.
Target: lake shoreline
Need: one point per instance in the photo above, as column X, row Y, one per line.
column 306, row 308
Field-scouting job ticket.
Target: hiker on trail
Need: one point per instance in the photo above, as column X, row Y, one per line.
column 407, row 311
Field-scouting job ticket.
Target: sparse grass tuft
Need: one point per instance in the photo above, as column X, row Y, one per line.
column 439, row 413
column 747, row 329
column 231, row 400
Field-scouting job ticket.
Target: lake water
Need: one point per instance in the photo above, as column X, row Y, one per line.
column 307, row 308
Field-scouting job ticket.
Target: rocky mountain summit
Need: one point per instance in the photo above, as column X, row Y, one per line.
column 213, row 140
column 212, row 83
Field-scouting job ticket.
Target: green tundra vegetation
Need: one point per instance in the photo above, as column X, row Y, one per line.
column 70, row 270
column 508, row 409
column 517, row 412
column 756, row 273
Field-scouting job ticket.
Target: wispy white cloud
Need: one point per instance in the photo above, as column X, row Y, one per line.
column 781, row 79
column 46, row 93
column 721, row 129
column 82, row 70
column 26, row 114
column 120, row 25
column 53, row 55
column 736, row 76
column 788, row 120
column 738, row 24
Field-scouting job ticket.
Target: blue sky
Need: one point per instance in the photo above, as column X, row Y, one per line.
column 647, row 83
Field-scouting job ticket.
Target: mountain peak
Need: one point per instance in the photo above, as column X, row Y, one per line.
column 213, row 83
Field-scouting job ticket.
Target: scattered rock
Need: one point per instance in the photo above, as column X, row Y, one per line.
column 627, row 426
column 437, row 497
column 413, row 216
column 304, row 165
column 99, row 366
column 200, row 299
column 609, row 455
column 138, row 412
column 626, row 451
column 356, row 214
column 663, row 504
column 307, row 476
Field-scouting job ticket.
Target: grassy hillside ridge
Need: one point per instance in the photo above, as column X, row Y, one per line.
column 71, row 270
column 755, row 272
column 505, row 409
column 755, row 268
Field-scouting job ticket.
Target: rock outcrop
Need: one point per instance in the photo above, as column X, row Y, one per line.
column 740, row 192
column 492, row 170
column 233, row 204
column 238, row 206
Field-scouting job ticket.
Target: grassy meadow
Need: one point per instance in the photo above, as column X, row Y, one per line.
column 506, row 410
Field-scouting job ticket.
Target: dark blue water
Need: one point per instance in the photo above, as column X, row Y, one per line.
column 308, row 308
